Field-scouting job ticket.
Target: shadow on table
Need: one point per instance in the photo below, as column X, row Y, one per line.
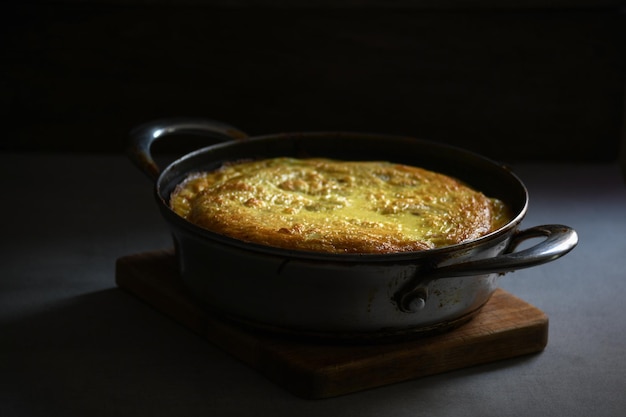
column 107, row 353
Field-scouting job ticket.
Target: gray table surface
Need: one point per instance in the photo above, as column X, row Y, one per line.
column 73, row 344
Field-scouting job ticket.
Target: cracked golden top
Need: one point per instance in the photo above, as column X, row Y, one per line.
column 334, row 206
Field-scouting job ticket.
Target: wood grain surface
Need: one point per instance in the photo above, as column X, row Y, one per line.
column 506, row 327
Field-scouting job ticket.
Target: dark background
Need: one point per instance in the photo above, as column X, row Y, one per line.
column 532, row 80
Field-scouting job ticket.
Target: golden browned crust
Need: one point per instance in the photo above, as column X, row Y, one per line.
column 337, row 206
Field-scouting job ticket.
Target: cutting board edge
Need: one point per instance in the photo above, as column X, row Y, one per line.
column 304, row 381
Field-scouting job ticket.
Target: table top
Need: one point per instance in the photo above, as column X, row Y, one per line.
column 72, row 343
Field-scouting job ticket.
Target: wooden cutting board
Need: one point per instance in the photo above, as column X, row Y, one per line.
column 506, row 327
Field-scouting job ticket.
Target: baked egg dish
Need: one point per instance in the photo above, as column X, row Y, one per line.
column 333, row 206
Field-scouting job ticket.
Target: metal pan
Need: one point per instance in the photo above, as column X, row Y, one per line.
column 344, row 296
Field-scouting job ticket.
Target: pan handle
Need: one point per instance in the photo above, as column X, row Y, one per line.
column 142, row 137
column 559, row 240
